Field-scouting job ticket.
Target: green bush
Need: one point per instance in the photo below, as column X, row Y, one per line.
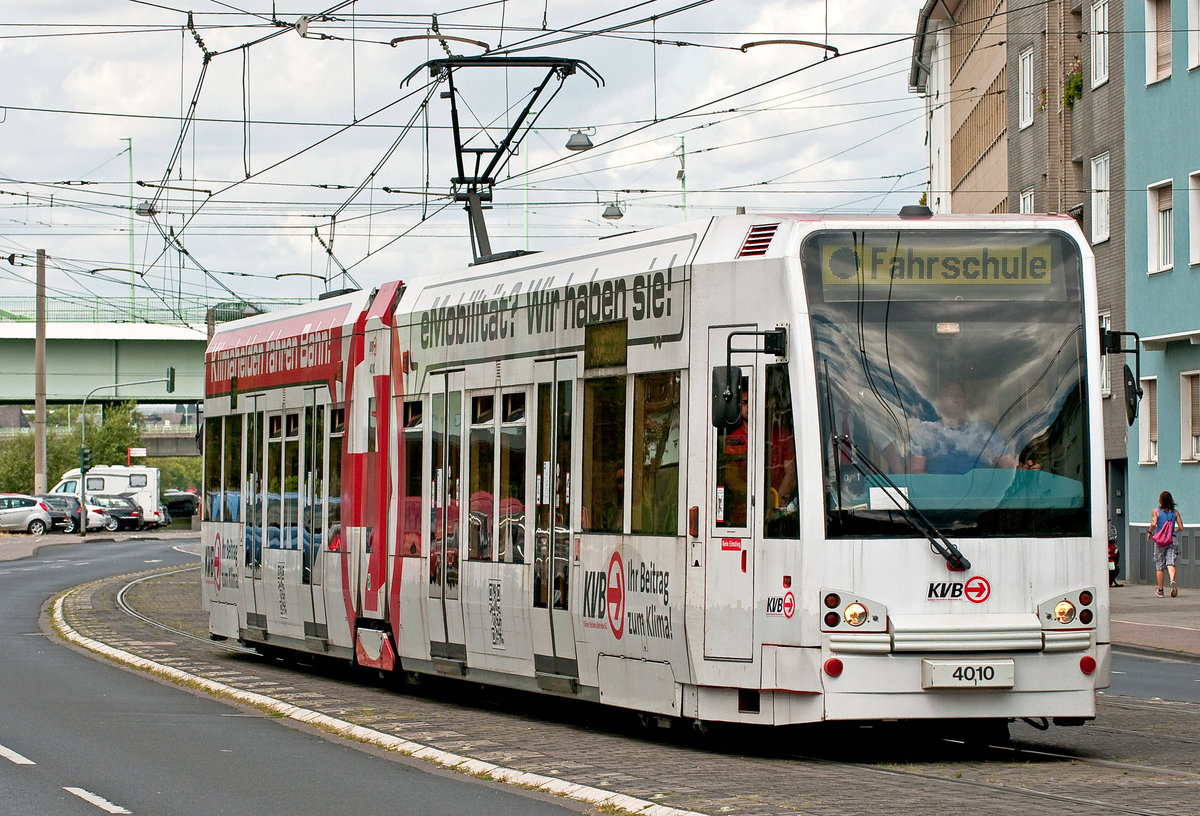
column 1073, row 85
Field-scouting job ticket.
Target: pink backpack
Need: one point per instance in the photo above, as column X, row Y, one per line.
column 1165, row 533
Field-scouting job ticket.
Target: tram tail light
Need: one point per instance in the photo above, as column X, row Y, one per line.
column 1087, row 664
column 833, row 667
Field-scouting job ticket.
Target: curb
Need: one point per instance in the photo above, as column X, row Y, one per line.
column 1155, row 652
column 358, row 733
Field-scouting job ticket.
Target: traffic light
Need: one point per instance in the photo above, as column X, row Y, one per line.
column 85, row 460
column 170, row 379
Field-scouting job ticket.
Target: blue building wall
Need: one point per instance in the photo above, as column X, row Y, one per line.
column 1162, row 142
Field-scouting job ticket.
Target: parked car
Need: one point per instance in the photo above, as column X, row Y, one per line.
column 181, row 503
column 123, row 513
column 64, row 512
column 24, row 513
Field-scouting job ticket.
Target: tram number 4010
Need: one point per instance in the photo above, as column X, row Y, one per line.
column 960, row 674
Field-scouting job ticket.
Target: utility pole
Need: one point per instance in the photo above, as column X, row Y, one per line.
column 132, row 289
column 39, row 380
column 683, row 179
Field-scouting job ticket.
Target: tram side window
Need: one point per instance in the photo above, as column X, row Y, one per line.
column 481, row 478
column 511, row 542
column 733, row 451
column 254, row 475
column 233, row 468
column 410, row 479
column 212, row 468
column 311, row 529
column 655, row 483
column 337, row 432
column 272, row 484
column 782, row 517
column 604, row 454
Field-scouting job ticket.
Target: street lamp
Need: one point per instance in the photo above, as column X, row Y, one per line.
column 85, row 453
column 579, row 140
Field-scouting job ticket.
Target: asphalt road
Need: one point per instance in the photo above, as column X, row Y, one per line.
column 82, row 736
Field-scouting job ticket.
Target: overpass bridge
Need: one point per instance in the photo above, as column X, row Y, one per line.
column 102, row 343
column 105, row 342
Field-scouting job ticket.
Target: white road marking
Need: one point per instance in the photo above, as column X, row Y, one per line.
column 98, row 801
column 14, row 757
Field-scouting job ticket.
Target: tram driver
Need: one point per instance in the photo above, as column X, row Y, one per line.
column 956, row 442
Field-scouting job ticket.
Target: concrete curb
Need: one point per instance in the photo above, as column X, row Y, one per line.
column 1152, row 651
column 358, row 733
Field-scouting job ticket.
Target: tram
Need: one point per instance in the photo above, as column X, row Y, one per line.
column 754, row 469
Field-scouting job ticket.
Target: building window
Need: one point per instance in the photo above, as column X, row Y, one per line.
column 1158, row 40
column 1105, row 368
column 1194, row 216
column 1099, row 40
column 1100, row 192
column 1027, row 201
column 1189, row 414
column 1161, row 232
column 1026, row 93
column 1193, row 33
column 1148, row 432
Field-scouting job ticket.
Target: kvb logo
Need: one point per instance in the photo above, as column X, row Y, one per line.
column 976, row 590
column 615, row 595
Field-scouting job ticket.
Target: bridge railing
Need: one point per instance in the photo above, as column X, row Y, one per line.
column 172, row 311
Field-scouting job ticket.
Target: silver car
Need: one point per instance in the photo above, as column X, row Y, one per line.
column 24, row 513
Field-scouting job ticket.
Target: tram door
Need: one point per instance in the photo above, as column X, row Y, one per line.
column 553, row 632
column 253, row 599
column 729, row 550
column 312, row 524
column 447, row 637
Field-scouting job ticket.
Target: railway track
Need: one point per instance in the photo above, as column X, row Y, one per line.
column 1112, row 765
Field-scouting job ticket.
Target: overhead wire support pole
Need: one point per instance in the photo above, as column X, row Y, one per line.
column 476, row 189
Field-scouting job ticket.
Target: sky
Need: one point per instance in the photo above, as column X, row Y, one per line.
column 280, row 151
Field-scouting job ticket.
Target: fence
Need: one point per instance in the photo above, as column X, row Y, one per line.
column 172, row 311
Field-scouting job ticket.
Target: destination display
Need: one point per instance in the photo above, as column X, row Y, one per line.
column 893, row 265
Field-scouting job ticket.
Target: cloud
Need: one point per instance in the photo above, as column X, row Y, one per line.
column 832, row 134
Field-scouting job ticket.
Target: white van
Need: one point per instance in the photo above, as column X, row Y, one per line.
column 138, row 483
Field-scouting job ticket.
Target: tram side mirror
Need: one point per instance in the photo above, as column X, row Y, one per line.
column 1133, row 393
column 726, row 396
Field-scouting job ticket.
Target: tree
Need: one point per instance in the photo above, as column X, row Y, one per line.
column 121, row 428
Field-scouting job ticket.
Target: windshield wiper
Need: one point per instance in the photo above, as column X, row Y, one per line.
column 912, row 514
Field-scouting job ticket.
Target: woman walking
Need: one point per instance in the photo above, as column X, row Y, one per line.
column 1163, row 538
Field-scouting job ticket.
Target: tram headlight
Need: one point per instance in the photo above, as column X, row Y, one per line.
column 1064, row 612
column 856, row 614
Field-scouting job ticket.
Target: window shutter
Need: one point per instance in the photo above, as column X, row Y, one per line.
column 1194, row 399
column 1152, row 408
column 1162, row 30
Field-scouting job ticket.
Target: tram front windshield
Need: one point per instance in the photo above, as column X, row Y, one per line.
column 950, row 381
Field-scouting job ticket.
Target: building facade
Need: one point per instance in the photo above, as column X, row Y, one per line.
column 1046, row 135
column 1162, row 260
column 958, row 66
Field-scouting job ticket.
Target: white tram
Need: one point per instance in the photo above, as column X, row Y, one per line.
column 537, row 472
